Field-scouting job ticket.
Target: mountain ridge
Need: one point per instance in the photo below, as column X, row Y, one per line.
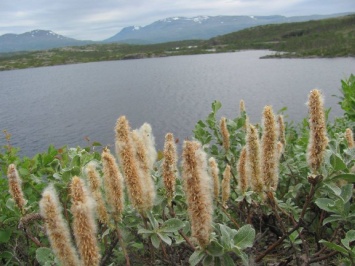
column 160, row 31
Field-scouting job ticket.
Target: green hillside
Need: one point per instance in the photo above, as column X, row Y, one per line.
column 322, row 38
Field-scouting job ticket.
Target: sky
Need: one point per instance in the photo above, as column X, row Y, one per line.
column 99, row 20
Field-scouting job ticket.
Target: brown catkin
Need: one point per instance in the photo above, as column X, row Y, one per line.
column 84, row 226
column 281, row 131
column 253, row 159
column 113, row 182
column 226, row 186
column 197, row 185
column 224, row 133
column 95, row 188
column 143, row 163
column 126, row 152
column 57, row 229
column 318, row 140
column 15, row 189
column 242, row 171
column 169, row 166
column 269, row 155
column 349, row 138
column 214, row 172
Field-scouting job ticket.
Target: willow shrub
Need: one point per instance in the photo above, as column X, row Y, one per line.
column 307, row 218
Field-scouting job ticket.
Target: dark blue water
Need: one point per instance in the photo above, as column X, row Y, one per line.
column 61, row 105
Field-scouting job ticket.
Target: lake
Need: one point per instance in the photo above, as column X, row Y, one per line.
column 63, row 104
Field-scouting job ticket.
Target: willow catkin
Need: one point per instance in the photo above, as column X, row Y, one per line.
column 197, row 185
column 226, row 186
column 269, row 155
column 349, row 138
column 242, row 171
column 126, row 153
column 15, row 189
column 113, row 182
column 57, row 229
column 148, row 139
column 281, row 131
column 169, row 166
column 84, row 226
column 95, row 188
column 214, row 172
column 241, row 107
column 142, row 158
column 253, row 159
column 318, row 140
column 224, row 133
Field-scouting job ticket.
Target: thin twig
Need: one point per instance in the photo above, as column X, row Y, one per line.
column 313, row 181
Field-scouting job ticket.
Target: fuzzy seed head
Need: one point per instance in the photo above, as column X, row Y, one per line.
column 224, row 133
column 84, row 225
column 318, row 140
column 226, row 186
column 242, row 171
column 126, row 153
column 147, row 136
column 15, row 189
column 113, row 182
column 253, row 159
column 349, row 138
column 57, row 228
column 214, row 172
column 270, row 155
column 197, row 184
column 142, row 158
column 95, row 189
column 169, row 166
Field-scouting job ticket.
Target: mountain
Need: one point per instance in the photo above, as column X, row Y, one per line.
column 36, row 40
column 201, row 27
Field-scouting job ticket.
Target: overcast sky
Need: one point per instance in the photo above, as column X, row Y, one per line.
column 98, row 20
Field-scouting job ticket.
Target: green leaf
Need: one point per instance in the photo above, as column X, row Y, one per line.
column 241, row 255
column 208, row 261
column 215, row 249
column 349, row 237
column 334, row 188
column 346, row 177
column 216, row 105
column 245, row 237
column 332, row 218
column 196, row 257
column 171, row 225
column 145, row 231
column 96, row 144
column 227, row 260
column 346, row 192
column 334, row 246
column 5, row 236
column 155, row 240
column 154, row 223
column 337, row 163
column 44, row 255
column 227, row 235
column 165, row 238
column 324, row 204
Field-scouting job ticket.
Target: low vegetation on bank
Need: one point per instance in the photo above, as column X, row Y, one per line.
column 238, row 194
column 333, row 37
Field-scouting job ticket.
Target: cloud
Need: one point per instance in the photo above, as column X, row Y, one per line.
column 97, row 20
